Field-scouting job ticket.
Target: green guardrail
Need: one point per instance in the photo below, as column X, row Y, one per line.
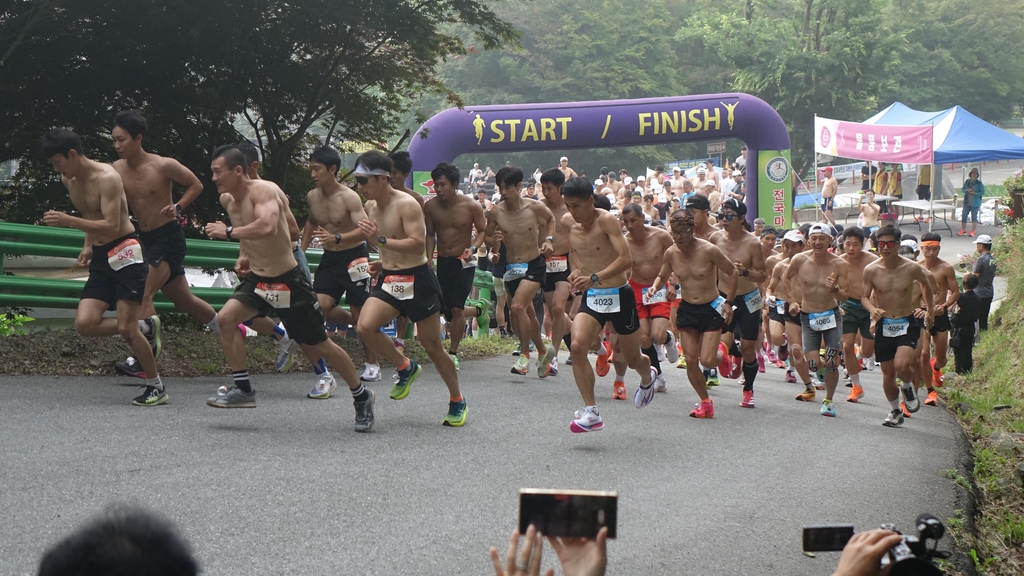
column 26, row 291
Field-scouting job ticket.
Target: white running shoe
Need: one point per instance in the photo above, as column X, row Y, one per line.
column 371, row 373
column 286, row 348
column 642, row 397
column 661, row 352
column 587, row 420
column 660, row 385
column 671, row 350
column 325, row 384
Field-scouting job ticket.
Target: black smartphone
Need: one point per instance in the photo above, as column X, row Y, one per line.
column 568, row 513
column 827, row 537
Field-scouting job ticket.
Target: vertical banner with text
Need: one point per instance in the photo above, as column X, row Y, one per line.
column 774, row 188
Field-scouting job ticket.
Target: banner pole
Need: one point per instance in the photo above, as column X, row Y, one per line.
column 817, row 192
column 931, row 197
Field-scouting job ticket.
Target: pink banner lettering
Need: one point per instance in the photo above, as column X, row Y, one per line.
column 911, row 144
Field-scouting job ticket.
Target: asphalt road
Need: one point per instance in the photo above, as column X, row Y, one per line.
column 290, row 488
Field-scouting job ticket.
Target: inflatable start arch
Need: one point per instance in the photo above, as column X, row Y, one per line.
column 615, row 123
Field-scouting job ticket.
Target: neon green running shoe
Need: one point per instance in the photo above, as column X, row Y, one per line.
column 405, row 379
column 455, row 360
column 457, row 413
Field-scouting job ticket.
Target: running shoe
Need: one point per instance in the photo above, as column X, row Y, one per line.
column 405, row 379
column 748, row 399
column 937, row 379
column 235, row 398
column 568, row 361
column 153, row 336
column 364, row 412
column 325, row 384
column 152, row 396
column 933, row 399
column 455, row 360
column 807, row 396
column 910, row 397
column 962, row 233
column 522, row 365
column 286, row 348
column 791, row 376
column 770, row 352
column 827, row 409
column 130, row 368
column 725, row 367
column 456, row 415
column 736, row 370
column 660, row 385
column 660, row 350
column 587, row 421
column 618, row 390
column 971, row 234
column 903, row 409
column 894, row 419
column 820, row 375
column 711, row 376
column 780, row 364
column 819, row 386
column 554, row 367
column 705, row 409
column 856, row 394
column 760, row 362
column 681, row 363
column 672, row 348
column 643, row 396
column 371, row 373
column 784, row 352
column 517, row 350
column 604, row 359
column 544, row 362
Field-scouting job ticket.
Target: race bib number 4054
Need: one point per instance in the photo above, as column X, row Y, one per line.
column 603, row 300
column 277, row 295
column 399, row 287
column 893, row 327
column 125, row 254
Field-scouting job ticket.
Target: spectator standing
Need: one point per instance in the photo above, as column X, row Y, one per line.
column 563, row 165
column 741, row 160
column 985, row 268
column 964, row 322
column 973, row 190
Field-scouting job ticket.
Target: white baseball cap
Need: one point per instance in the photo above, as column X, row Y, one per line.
column 700, row 169
column 627, row 180
column 563, row 159
column 598, row 182
column 820, row 228
column 794, row 236
column 983, row 239
column 710, row 183
column 677, row 169
column 641, row 178
column 910, row 244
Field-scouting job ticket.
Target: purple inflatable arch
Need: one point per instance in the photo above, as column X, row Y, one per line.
column 615, row 123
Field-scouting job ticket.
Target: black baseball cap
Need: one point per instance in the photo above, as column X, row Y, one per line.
column 699, row 202
column 736, row 205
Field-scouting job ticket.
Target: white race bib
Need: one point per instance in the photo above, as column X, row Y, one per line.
column 125, row 254
column 603, row 300
column 719, row 305
column 754, row 300
column 399, row 287
column 277, row 295
column 359, row 269
column 471, row 263
column 556, row 264
column 515, row 271
column 780, row 306
column 659, row 296
column 893, row 327
column 821, row 321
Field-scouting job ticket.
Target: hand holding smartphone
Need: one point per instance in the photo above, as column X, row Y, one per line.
column 568, row 513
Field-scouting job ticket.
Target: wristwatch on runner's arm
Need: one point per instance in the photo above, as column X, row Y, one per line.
column 594, row 279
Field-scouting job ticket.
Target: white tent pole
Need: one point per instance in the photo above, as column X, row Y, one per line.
column 931, row 197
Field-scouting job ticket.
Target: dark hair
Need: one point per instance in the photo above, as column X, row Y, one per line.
column 889, row 230
column 805, row 229
column 121, row 541
column 649, row 197
column 60, row 141
column 746, row 225
column 970, row 281
column 132, row 121
column 402, row 162
column 248, row 149
column 375, row 160
column 578, row 187
column 734, row 204
column 448, row 170
column 634, row 208
column 931, row 237
column 853, row 232
column 328, row 157
column 769, row 231
column 233, row 157
column 659, row 168
column 553, row 176
column 600, row 201
column 509, row 176
column 604, row 170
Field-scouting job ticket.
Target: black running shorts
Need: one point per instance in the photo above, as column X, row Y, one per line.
column 342, row 273
column 290, row 297
column 553, row 273
column 615, row 305
column 699, row 317
column 885, row 346
column 514, row 274
column 414, row 292
column 127, row 281
column 165, row 244
column 746, row 324
column 456, row 282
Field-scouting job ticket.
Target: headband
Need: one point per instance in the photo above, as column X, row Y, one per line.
column 935, row 243
column 362, row 170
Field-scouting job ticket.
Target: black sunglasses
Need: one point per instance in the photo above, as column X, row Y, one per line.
column 727, row 217
column 362, row 180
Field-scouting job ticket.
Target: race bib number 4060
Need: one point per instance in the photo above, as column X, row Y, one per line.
column 399, row 287
column 821, row 321
column 125, row 254
column 277, row 295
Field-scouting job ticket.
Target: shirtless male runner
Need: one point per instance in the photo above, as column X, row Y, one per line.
column 856, row 318
column 519, row 222
column 747, row 255
column 702, row 310
column 272, row 283
column 821, row 278
column 147, row 180
column 451, row 219
column 947, row 293
column 784, row 327
column 603, row 257
column 401, row 167
column 700, row 207
column 890, row 281
column 768, row 236
column 344, row 270
column 405, row 282
column 557, row 265
column 117, row 264
column 647, row 248
column 828, row 195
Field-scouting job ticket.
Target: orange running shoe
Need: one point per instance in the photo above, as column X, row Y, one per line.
column 856, row 394
column 932, row 400
column 903, row 407
column 705, row 409
column 806, row 396
column 619, row 390
column 604, row 359
column 937, row 378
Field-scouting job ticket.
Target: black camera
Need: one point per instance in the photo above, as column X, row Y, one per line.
column 912, row 556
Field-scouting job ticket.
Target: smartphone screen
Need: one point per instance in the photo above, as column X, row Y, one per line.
column 827, row 538
column 568, row 513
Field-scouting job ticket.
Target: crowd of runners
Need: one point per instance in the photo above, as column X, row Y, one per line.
column 692, row 284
